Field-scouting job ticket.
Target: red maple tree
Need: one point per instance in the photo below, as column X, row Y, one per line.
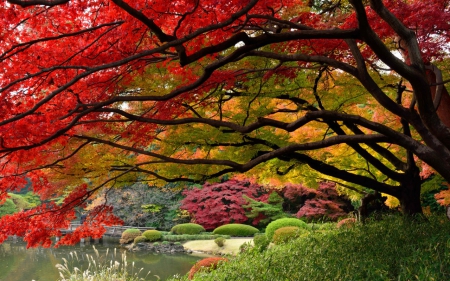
column 69, row 85
column 217, row 204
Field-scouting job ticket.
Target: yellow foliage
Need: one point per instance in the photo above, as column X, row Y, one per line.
column 392, row 202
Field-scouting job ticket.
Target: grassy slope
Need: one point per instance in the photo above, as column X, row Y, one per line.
column 392, row 249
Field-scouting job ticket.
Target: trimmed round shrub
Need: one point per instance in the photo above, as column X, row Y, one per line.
column 152, row 235
column 129, row 235
column 187, row 228
column 327, row 226
column 347, row 223
column 287, row 233
column 205, row 265
column 236, row 229
column 140, row 239
column 276, row 224
column 220, row 241
column 261, row 242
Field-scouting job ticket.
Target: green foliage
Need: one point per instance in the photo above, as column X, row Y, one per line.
column 8, row 208
column 152, row 235
column 273, row 226
column 187, row 228
column 286, row 234
column 391, row 249
column 165, row 243
column 236, row 229
column 32, row 199
column 272, row 210
column 261, row 242
column 151, row 208
column 20, row 202
column 129, row 235
column 327, row 226
column 220, row 241
column 430, row 187
column 140, row 239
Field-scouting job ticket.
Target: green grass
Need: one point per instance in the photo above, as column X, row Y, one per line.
column 392, row 249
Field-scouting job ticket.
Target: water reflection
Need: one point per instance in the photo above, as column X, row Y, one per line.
column 17, row 263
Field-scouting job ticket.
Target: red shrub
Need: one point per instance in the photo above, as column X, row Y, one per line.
column 321, row 203
column 206, row 264
column 349, row 222
column 217, row 204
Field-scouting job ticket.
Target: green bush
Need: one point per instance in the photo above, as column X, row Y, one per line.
column 152, row 235
column 392, row 249
column 236, row 229
column 220, row 241
column 286, row 234
column 156, row 243
column 140, row 239
column 187, row 228
column 327, row 226
column 129, row 235
column 165, row 243
column 7, row 208
column 261, row 242
column 273, row 226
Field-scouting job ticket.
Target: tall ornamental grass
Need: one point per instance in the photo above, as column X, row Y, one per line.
column 391, row 249
column 99, row 269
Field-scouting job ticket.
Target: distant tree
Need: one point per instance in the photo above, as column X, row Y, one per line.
column 216, row 204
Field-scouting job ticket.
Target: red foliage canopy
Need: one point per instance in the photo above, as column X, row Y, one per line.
column 67, row 67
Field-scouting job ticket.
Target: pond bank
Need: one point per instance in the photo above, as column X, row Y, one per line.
column 231, row 247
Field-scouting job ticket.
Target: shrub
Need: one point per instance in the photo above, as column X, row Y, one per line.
column 152, row 235
column 156, row 243
column 327, row 226
column 140, row 239
column 392, row 249
column 206, row 264
column 347, row 223
column 220, row 241
column 261, row 242
column 210, row 208
column 273, row 226
column 236, row 229
column 323, row 203
column 286, row 234
column 187, row 228
column 129, row 235
column 165, row 243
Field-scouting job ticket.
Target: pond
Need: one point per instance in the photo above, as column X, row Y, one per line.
column 17, row 263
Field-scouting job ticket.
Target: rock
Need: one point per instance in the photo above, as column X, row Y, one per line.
column 159, row 248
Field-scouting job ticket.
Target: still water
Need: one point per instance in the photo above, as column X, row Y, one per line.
column 17, row 263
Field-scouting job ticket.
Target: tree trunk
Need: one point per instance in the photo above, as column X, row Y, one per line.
column 410, row 196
